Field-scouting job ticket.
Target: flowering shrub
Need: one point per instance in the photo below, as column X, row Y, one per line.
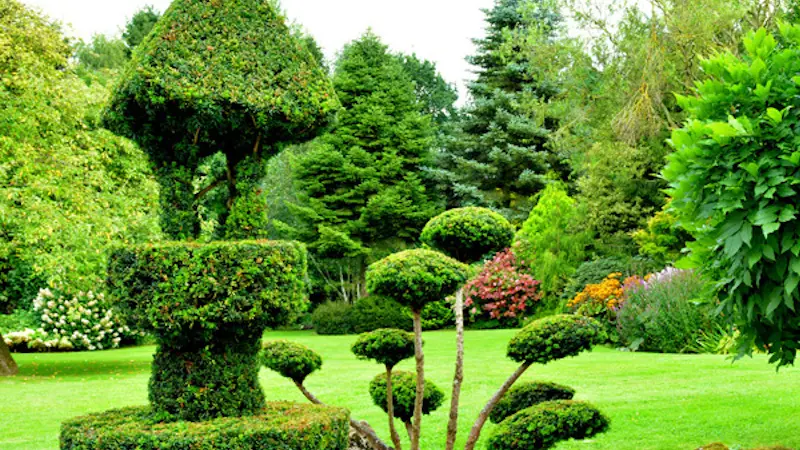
column 501, row 290
column 602, row 300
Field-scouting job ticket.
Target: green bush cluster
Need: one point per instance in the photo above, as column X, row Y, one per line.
column 275, row 426
column 594, row 272
column 468, row 234
column 375, row 312
column 404, row 391
column 292, row 360
column 544, row 425
column 385, row 346
column 525, row 395
column 553, row 338
column 333, row 318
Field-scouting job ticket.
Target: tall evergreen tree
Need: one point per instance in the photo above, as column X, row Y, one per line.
column 498, row 155
column 139, row 27
column 358, row 186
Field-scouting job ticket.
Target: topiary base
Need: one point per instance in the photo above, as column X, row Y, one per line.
column 280, row 425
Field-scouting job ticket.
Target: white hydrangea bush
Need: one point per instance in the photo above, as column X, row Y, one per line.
column 79, row 322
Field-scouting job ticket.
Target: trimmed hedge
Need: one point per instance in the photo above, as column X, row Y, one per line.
column 277, row 426
column 386, row 346
column 375, row 312
column 468, row 234
column 404, row 392
column 290, row 359
column 544, row 425
column 525, row 395
column 416, row 277
column 333, row 318
column 553, row 338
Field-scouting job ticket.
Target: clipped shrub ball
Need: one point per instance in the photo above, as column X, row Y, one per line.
column 290, row 359
column 375, row 312
column 416, row 277
column 525, row 395
column 468, row 234
column 404, row 392
column 333, row 318
column 280, row 425
column 544, row 425
column 553, row 338
column 386, row 346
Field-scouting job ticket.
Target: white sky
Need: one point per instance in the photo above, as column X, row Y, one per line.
column 437, row 30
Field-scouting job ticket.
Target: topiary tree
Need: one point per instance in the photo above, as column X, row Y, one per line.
column 525, row 395
column 404, row 396
column 542, row 341
column 388, row 347
column 467, row 234
column 733, row 182
column 215, row 77
column 415, row 278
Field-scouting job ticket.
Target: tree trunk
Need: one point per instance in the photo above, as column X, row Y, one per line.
column 390, row 409
column 475, row 433
column 7, row 365
column 409, row 430
column 452, row 425
column 420, row 357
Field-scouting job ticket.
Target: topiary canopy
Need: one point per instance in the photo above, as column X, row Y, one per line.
column 554, row 337
column 404, row 392
column 386, row 346
column 468, row 234
column 290, row 359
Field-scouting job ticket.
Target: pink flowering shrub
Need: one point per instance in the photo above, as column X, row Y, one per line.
column 501, row 290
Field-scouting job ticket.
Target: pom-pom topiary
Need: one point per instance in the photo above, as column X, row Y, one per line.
column 290, row 359
column 386, row 346
column 468, row 234
column 544, row 425
column 554, row 337
column 404, row 389
column 416, row 277
column 525, row 395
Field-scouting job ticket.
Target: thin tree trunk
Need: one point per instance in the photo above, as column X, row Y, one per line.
column 409, row 430
column 452, row 425
column 420, row 357
column 8, row 367
column 362, row 428
column 475, row 433
column 390, row 409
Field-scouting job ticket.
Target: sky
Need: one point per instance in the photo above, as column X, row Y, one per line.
column 437, row 30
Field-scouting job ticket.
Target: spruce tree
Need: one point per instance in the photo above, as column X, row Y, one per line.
column 359, row 191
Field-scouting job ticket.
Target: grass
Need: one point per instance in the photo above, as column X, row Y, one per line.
column 668, row 402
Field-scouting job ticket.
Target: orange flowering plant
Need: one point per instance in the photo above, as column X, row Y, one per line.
column 603, row 300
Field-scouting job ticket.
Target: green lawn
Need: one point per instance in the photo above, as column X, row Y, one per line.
column 654, row 401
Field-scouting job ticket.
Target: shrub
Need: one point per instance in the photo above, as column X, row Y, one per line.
column 19, row 320
column 332, row 318
column 416, row 277
column 208, row 306
column 386, row 346
column 500, row 291
column 437, row 315
column 525, row 395
column 663, row 239
column 602, row 301
column 277, row 425
column 593, row 272
column 292, row 360
column 668, row 313
column 404, row 389
column 375, row 312
column 544, row 425
column 733, row 178
column 468, row 234
column 552, row 338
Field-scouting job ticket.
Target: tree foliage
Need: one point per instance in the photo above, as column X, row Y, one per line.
column 139, row 26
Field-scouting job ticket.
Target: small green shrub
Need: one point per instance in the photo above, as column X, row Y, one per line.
column 553, row 338
column 18, row 320
column 375, row 312
column 437, row 315
column 292, row 360
column 525, row 395
column 544, row 425
column 386, row 346
column 416, row 277
column 468, row 234
column 276, row 426
column 404, row 391
column 333, row 318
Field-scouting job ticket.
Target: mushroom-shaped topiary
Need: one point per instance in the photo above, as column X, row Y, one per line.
column 415, row 278
column 388, row 347
column 529, row 394
column 404, row 396
column 468, row 234
column 290, row 359
column 544, row 425
column 219, row 76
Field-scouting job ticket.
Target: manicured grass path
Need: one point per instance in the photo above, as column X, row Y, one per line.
column 668, row 402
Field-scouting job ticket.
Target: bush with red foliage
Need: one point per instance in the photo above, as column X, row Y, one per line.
column 501, row 290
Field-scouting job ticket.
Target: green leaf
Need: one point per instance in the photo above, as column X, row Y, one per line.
column 770, row 228
column 751, row 168
column 773, row 304
column 774, row 115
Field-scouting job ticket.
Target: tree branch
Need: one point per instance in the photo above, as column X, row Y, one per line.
column 390, row 409
column 209, row 188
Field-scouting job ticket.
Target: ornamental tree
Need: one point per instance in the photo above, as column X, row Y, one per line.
column 403, row 396
column 733, row 180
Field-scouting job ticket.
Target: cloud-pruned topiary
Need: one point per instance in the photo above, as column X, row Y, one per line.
column 385, row 346
column 529, row 394
column 404, row 390
column 290, row 359
column 544, row 425
column 468, row 234
column 554, row 337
